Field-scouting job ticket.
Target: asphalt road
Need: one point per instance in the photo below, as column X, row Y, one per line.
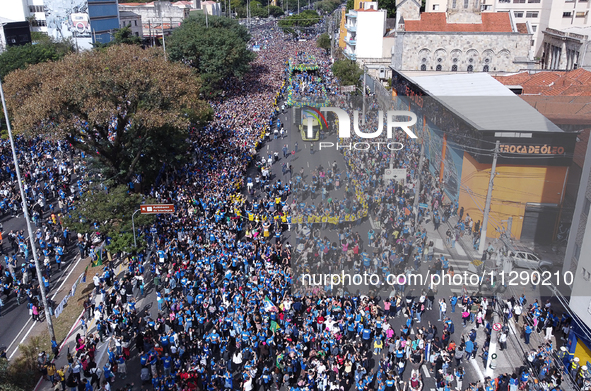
column 15, row 321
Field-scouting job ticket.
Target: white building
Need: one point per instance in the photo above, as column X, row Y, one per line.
column 537, row 14
column 566, row 49
column 211, row 8
column 366, row 28
column 25, row 10
column 133, row 21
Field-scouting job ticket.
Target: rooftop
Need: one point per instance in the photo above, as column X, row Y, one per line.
column 128, row 14
column 492, row 22
column 482, row 101
column 564, row 97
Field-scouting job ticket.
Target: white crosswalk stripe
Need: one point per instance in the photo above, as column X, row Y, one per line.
column 426, row 372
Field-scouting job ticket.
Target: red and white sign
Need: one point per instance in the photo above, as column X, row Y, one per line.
column 497, row 327
column 156, row 209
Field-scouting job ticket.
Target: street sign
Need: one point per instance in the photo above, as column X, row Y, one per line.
column 397, row 174
column 156, row 209
column 347, row 89
column 497, row 327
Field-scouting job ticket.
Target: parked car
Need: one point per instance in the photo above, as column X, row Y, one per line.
column 529, row 260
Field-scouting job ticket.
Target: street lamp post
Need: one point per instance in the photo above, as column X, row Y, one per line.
column 133, row 227
column 26, row 214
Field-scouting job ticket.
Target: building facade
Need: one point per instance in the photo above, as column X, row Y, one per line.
column 462, row 115
column 538, row 14
column 157, row 17
column 566, row 49
column 84, row 21
column 13, row 33
column 133, row 21
column 365, row 32
column 458, row 39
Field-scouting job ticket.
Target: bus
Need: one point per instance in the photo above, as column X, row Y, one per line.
column 315, row 136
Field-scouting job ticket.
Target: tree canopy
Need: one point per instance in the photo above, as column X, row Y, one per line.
column 347, row 72
column 323, row 42
column 110, row 214
column 327, row 6
column 42, row 50
column 307, row 18
column 216, row 52
column 127, row 107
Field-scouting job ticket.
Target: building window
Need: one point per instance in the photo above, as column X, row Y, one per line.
column 135, row 23
column 423, row 67
column 534, row 28
column 438, row 69
column 454, row 68
column 567, row 14
column 533, row 1
column 533, row 42
column 581, row 14
column 504, row 1
column 531, row 14
column 36, row 8
column 470, row 68
column 518, row 14
column 518, row 1
column 586, row 206
column 38, row 23
column 454, row 4
column 485, row 68
column 435, row 7
column 466, row 3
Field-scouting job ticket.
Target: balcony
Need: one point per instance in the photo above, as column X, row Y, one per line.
column 351, row 27
column 350, row 55
column 351, row 14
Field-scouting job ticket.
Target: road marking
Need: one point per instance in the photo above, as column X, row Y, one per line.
column 426, row 372
column 477, row 368
column 29, row 320
column 308, row 163
column 412, row 331
column 68, row 276
column 438, row 244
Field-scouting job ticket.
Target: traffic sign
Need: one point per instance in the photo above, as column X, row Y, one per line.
column 497, row 327
column 397, row 174
column 156, row 209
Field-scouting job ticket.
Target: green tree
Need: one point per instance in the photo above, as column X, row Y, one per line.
column 323, row 42
column 351, row 5
column 217, row 53
column 45, row 49
column 275, row 11
column 347, row 72
column 307, row 18
column 390, row 6
column 111, row 211
column 125, row 106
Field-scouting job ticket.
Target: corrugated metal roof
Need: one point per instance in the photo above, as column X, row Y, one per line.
column 483, row 102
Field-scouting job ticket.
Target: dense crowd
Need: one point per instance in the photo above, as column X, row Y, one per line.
column 226, row 316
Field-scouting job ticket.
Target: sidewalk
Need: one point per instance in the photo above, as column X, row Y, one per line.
column 76, row 326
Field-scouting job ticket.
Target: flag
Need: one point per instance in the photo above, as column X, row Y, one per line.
column 99, row 259
column 274, row 326
column 269, row 306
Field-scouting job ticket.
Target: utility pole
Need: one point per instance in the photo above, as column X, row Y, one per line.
column 27, row 219
column 364, row 89
column 418, row 185
column 163, row 41
column 488, row 199
column 298, row 7
column 206, row 19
